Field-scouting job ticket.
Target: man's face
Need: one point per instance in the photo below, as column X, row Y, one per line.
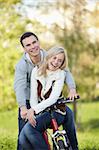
column 31, row 46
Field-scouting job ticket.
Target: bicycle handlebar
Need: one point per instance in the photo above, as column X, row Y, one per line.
column 66, row 100
column 61, row 101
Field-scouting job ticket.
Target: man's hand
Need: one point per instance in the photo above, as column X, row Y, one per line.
column 72, row 94
column 31, row 117
column 23, row 112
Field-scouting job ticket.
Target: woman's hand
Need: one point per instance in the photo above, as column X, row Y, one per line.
column 31, row 117
column 72, row 94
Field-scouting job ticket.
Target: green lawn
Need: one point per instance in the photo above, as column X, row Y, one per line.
column 8, row 130
column 87, row 127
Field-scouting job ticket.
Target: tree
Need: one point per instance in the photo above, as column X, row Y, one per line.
column 10, row 29
column 13, row 24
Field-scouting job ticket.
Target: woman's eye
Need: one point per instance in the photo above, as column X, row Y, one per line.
column 60, row 60
column 54, row 57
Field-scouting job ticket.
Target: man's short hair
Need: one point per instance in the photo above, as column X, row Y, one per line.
column 25, row 35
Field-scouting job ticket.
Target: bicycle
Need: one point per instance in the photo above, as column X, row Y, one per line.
column 59, row 137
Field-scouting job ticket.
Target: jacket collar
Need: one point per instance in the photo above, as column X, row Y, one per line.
column 27, row 57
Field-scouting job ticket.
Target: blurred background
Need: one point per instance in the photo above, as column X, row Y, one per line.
column 73, row 24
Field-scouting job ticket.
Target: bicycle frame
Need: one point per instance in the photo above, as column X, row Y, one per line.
column 57, row 134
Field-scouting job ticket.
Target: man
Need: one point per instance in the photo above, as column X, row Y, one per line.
column 33, row 55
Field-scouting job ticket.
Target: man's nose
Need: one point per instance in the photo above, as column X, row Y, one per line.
column 32, row 46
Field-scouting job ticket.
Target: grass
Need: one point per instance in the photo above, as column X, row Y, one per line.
column 8, row 130
column 87, row 127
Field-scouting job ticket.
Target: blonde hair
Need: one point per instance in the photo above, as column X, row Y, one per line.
column 50, row 53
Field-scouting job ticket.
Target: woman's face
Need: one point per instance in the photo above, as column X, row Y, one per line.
column 55, row 62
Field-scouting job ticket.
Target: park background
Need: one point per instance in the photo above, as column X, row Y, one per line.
column 74, row 24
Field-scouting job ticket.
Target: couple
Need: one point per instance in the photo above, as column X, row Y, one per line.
column 39, row 80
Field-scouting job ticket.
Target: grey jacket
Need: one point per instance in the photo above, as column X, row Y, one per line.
column 23, row 71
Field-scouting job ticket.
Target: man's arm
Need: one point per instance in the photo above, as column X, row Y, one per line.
column 20, row 87
column 69, row 80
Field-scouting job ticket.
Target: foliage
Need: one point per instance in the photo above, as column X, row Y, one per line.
column 88, row 69
column 82, row 52
column 9, row 32
column 11, row 27
column 8, row 3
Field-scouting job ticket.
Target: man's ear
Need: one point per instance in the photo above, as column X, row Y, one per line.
column 39, row 42
column 24, row 49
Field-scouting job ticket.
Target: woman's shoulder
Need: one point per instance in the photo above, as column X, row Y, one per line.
column 59, row 74
column 59, row 71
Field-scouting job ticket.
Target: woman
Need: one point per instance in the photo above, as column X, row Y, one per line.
column 47, row 82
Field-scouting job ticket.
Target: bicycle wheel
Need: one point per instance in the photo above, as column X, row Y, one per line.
column 60, row 146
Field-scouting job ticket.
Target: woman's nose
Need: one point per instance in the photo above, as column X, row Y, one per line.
column 56, row 62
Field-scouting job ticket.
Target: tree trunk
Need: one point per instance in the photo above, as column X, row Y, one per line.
column 75, row 110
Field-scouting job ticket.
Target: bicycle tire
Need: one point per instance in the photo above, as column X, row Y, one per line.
column 61, row 146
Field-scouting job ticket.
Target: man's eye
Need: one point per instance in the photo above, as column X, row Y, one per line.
column 28, row 45
column 33, row 42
